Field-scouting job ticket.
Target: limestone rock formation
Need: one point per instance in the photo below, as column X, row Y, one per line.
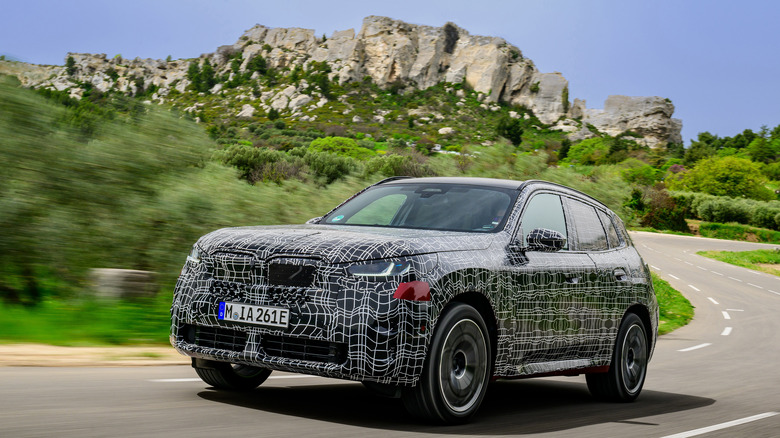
column 389, row 52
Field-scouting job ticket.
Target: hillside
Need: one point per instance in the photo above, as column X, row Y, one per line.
column 377, row 81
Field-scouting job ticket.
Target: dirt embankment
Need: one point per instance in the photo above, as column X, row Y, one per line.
column 54, row 356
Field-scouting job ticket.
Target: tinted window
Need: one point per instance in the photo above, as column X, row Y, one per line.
column 612, row 236
column 544, row 211
column 454, row 207
column 590, row 233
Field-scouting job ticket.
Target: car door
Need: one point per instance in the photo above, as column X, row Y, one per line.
column 603, row 294
column 546, row 288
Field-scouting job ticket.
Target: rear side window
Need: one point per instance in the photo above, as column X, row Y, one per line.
column 544, row 211
column 590, row 235
column 612, row 235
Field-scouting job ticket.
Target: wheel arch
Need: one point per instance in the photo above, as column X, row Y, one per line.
column 481, row 303
column 643, row 314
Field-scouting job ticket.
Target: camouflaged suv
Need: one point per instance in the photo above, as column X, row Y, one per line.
column 425, row 289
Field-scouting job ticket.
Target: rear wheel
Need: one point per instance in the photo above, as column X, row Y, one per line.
column 457, row 369
column 626, row 376
column 223, row 375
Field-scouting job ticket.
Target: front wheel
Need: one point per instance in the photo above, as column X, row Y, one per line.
column 223, row 375
column 457, row 368
column 623, row 382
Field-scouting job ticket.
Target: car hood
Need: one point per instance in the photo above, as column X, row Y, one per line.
column 340, row 244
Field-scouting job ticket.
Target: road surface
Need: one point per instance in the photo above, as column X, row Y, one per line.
column 717, row 377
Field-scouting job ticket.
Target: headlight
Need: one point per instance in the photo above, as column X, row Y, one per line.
column 381, row 269
column 194, row 255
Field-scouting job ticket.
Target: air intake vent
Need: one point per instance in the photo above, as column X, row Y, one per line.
column 215, row 337
column 304, row 349
column 282, row 274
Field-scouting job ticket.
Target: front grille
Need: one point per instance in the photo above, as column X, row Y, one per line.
column 282, row 274
column 238, row 268
column 304, row 349
column 215, row 337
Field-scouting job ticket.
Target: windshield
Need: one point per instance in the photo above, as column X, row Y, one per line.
column 451, row 207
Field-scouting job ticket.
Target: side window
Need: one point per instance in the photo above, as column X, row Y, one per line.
column 590, row 234
column 544, row 211
column 612, row 236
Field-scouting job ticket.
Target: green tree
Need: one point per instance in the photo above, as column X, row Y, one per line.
column 763, row 150
column 193, row 74
column 208, row 77
column 511, row 129
column 726, row 176
column 70, row 66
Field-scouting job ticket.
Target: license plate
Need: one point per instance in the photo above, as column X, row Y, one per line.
column 249, row 314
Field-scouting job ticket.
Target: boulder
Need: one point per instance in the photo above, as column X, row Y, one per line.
column 247, row 112
column 122, row 283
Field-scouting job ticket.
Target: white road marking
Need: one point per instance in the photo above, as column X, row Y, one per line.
column 655, row 267
column 195, row 379
column 676, row 278
column 702, row 268
column 726, row 331
column 736, row 310
column 694, row 288
column 720, row 426
column 736, row 279
column 726, row 315
column 679, row 260
column 776, row 293
column 713, row 300
column 689, row 263
column 755, row 285
column 695, row 347
column 717, row 273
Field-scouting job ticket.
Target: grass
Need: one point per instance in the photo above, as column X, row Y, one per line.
column 88, row 322
column 735, row 231
column 147, row 322
column 676, row 311
column 765, row 260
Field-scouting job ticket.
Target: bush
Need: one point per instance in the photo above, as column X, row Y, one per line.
column 726, row 209
column 725, row 176
column 398, row 165
column 325, row 164
column 341, row 146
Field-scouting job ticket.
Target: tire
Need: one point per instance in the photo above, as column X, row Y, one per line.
column 457, row 369
column 626, row 376
column 234, row 377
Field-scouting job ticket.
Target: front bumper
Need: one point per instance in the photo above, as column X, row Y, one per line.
column 350, row 329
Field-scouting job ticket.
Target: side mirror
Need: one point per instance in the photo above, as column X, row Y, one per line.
column 542, row 239
column 314, row 220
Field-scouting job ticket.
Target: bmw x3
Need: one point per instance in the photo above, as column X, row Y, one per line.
column 425, row 289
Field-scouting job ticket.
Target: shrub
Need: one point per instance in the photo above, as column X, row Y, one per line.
column 341, row 146
column 398, row 165
column 511, row 129
column 725, row 176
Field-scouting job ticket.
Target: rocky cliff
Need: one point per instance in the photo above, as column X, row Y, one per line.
column 390, row 53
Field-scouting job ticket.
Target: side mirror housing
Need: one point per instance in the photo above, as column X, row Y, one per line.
column 314, row 220
column 542, row 239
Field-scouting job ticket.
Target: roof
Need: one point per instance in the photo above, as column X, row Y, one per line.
column 488, row 182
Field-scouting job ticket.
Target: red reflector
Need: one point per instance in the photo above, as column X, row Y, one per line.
column 413, row 291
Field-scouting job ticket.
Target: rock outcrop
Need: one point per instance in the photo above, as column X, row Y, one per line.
column 390, row 53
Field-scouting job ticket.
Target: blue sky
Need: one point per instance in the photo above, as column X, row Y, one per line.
column 719, row 61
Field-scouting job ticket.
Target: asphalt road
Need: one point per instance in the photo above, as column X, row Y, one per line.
column 721, row 371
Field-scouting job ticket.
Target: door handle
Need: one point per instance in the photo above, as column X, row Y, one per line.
column 620, row 275
column 572, row 279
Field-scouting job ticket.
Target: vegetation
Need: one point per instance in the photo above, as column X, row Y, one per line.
column 734, row 231
column 765, row 260
column 105, row 181
column 675, row 310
